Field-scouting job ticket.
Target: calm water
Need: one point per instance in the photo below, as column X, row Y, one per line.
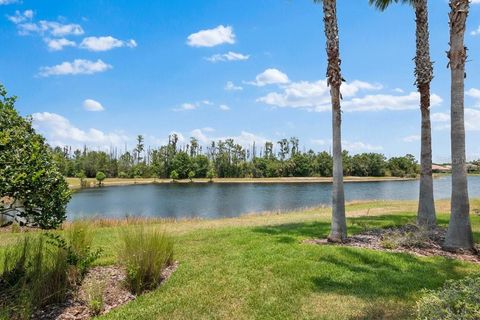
column 228, row 200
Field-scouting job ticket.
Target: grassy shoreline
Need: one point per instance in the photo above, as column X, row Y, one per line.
column 258, row 266
column 74, row 183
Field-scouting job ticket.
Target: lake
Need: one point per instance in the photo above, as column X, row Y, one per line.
column 228, row 200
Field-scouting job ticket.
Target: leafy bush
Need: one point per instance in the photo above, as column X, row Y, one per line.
column 174, row 175
column 100, row 176
column 32, row 189
column 457, row 299
column 144, row 254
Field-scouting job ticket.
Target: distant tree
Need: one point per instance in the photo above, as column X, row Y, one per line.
column 174, row 175
column 191, row 175
column 211, row 174
column 81, row 175
column 139, row 149
column 100, row 176
column 284, row 147
column 32, row 188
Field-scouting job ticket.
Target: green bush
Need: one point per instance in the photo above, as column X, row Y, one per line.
column 174, row 175
column 100, row 176
column 32, row 188
column 144, row 254
column 457, row 299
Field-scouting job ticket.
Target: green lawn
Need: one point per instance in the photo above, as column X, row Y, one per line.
column 256, row 267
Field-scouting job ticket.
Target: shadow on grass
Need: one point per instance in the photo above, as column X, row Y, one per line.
column 320, row 229
column 370, row 274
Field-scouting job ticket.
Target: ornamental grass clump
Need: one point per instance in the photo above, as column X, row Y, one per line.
column 144, row 254
column 43, row 269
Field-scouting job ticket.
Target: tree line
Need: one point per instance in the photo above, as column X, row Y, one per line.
column 225, row 159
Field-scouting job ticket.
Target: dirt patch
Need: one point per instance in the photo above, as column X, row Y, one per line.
column 105, row 284
column 406, row 239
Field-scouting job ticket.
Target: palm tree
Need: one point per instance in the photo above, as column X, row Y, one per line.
column 338, row 232
column 459, row 234
column 426, row 216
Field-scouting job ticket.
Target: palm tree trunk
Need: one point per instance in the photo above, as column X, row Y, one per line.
column 334, row 78
column 459, row 234
column 426, row 217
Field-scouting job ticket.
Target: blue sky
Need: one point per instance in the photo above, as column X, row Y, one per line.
column 100, row 72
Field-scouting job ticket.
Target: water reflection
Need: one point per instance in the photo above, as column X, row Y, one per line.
column 228, row 200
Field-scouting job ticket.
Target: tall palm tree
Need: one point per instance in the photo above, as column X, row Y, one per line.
column 426, row 216
column 459, row 234
column 338, row 231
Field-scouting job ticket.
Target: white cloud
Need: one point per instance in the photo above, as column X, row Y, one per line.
column 59, row 44
column 92, row 105
column 411, row 138
column 53, row 28
column 476, row 31
column 224, row 107
column 5, row 2
column 20, row 17
column 320, row 142
column 105, row 43
column 472, row 120
column 212, row 37
column 388, row 102
column 474, row 93
column 60, row 30
column 440, row 117
column 353, row 146
column 229, row 56
column 270, row 76
column 312, row 95
column 59, row 131
column 78, row 66
column 244, row 138
column 230, row 86
column 359, row 146
column 315, row 96
column 186, row 107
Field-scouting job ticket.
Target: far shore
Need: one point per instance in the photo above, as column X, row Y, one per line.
column 74, row 183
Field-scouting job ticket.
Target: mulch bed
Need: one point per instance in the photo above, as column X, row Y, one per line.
column 431, row 244
column 115, row 294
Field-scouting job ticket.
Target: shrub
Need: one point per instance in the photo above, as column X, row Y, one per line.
column 32, row 189
column 457, row 299
column 144, row 254
column 191, row 175
column 100, row 176
column 174, row 175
